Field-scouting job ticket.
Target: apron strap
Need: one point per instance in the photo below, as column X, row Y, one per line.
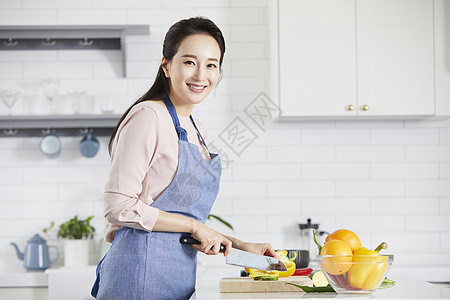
column 182, row 134
column 192, row 119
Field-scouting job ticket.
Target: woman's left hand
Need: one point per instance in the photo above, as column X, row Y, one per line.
column 260, row 248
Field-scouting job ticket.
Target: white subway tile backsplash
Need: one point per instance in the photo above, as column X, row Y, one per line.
column 244, row 50
column 404, row 170
column 92, row 16
column 430, row 223
column 10, row 4
column 58, row 4
column 144, row 51
column 427, row 153
column 424, row 123
column 25, row 157
column 370, row 153
column 50, row 210
column 276, row 154
column 371, row 223
column 335, row 206
column 399, row 240
column 335, row 136
column 108, row 70
column 242, row 189
column 246, row 224
column 195, row 3
column 11, row 70
column 11, row 210
column 249, row 33
column 384, row 179
column 303, row 188
column 405, row 206
column 423, row 188
column 279, row 137
column 250, row 68
column 285, row 224
column 27, row 55
column 245, row 171
column 59, row 175
column 404, row 136
column 233, row 15
column 369, row 188
column 444, row 136
column 102, row 4
column 247, row 85
column 11, row 175
column 142, row 69
column 444, row 205
column 80, row 192
column 87, row 55
column 259, row 206
column 58, row 69
column 28, row 17
column 21, row 192
column 335, row 171
column 369, row 124
column 445, row 240
column 164, row 17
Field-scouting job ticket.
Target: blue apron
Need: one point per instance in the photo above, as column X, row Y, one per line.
column 155, row 265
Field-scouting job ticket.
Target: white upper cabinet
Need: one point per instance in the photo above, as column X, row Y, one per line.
column 355, row 58
column 442, row 56
column 317, row 65
column 395, row 56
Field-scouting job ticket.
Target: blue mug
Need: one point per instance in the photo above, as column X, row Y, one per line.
column 89, row 145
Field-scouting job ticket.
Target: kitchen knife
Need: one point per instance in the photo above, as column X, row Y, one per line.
column 241, row 258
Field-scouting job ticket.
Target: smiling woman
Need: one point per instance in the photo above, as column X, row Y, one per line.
column 163, row 180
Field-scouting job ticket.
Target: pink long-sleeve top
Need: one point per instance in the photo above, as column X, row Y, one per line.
column 144, row 160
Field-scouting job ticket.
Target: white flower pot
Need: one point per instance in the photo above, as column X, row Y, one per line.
column 76, row 252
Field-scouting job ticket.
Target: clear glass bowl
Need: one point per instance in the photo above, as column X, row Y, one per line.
column 355, row 274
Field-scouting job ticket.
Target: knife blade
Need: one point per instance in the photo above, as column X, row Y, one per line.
column 241, row 258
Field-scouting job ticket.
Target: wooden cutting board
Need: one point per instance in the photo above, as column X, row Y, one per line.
column 249, row 285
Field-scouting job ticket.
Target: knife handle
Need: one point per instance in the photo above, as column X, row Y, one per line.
column 189, row 240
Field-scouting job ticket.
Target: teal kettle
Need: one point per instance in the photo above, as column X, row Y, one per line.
column 36, row 255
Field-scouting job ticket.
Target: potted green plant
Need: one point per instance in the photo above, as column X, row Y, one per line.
column 76, row 234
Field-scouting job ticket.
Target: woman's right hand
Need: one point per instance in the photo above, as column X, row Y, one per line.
column 210, row 240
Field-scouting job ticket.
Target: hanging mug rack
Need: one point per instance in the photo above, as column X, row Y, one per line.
column 64, row 125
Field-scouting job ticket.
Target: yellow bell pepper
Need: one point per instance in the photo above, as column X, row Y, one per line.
column 263, row 275
column 281, row 255
column 290, row 265
column 369, row 268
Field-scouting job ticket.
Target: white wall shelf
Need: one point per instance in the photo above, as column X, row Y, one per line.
column 65, row 37
column 63, row 125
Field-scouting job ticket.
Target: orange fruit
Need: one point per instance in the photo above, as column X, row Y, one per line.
column 337, row 258
column 347, row 236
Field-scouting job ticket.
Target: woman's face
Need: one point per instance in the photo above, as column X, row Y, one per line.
column 193, row 72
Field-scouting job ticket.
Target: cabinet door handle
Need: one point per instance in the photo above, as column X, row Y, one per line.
column 349, row 107
column 365, row 107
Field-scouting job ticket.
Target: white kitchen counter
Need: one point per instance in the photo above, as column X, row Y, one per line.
column 406, row 288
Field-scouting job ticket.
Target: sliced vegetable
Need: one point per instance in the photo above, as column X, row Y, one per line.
column 302, row 272
column 263, row 275
column 387, row 283
column 318, row 278
column 290, row 265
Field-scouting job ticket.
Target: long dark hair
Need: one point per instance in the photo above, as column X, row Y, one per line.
column 176, row 34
